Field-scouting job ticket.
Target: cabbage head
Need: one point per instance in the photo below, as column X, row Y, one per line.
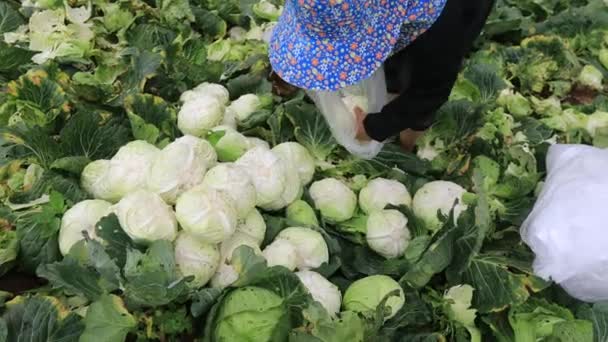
column 365, row 294
column 302, row 213
column 94, row 179
column 207, row 214
column 281, row 253
column 295, row 154
column 229, row 144
column 322, row 291
column 145, row 217
column 267, row 172
column 237, row 239
column 380, row 192
column 254, row 226
column 196, row 258
column 438, row 196
column 180, row 166
column 387, row 233
column 336, row 201
column 216, row 91
column 129, row 168
column 82, row 217
column 251, row 314
column 198, row 116
column 235, row 183
column 311, row 248
column 244, row 106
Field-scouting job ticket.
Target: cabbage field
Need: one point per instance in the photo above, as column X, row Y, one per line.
column 154, row 186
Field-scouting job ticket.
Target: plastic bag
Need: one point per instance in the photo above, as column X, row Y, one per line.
column 568, row 226
column 338, row 109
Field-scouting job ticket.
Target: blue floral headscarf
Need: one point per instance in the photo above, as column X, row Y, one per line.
column 331, row 44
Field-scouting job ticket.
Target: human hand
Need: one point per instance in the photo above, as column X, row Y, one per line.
column 408, row 139
column 360, row 117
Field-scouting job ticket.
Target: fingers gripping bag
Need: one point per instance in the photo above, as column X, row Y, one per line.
column 568, row 227
column 338, row 109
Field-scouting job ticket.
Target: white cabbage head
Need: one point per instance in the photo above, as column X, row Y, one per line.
column 198, row 116
column 253, row 225
column 180, row 166
column 214, row 90
column 229, row 119
column 266, row 171
column 231, row 145
column 244, row 106
column 235, row 183
column 129, row 168
column 387, row 233
column 236, row 240
column 196, row 258
column 281, row 253
column 336, row 201
column 257, row 142
column 225, row 276
column 207, row 214
column 322, row 291
column 438, row 196
column 295, row 154
column 311, row 248
column 94, row 179
column 365, row 294
column 145, row 217
column 83, row 216
column 293, row 189
column 380, row 192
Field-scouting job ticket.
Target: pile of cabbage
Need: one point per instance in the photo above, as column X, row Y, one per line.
column 205, row 192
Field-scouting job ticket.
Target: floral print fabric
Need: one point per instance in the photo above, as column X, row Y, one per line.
column 331, row 44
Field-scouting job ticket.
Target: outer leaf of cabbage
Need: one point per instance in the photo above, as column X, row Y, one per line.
column 145, row 217
column 235, row 183
column 82, row 217
column 336, row 201
column 311, row 248
column 200, row 115
column 387, row 233
column 179, row 167
column 380, row 192
column 266, row 171
column 297, row 155
column 207, row 214
column 196, row 258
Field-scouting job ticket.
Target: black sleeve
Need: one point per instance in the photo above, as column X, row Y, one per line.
column 428, row 69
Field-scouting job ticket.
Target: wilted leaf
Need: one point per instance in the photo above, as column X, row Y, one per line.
column 107, row 320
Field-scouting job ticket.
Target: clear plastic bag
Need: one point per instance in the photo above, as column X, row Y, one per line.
column 338, row 109
column 568, row 226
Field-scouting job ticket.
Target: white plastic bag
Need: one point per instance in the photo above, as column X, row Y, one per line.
column 568, row 226
column 338, row 109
